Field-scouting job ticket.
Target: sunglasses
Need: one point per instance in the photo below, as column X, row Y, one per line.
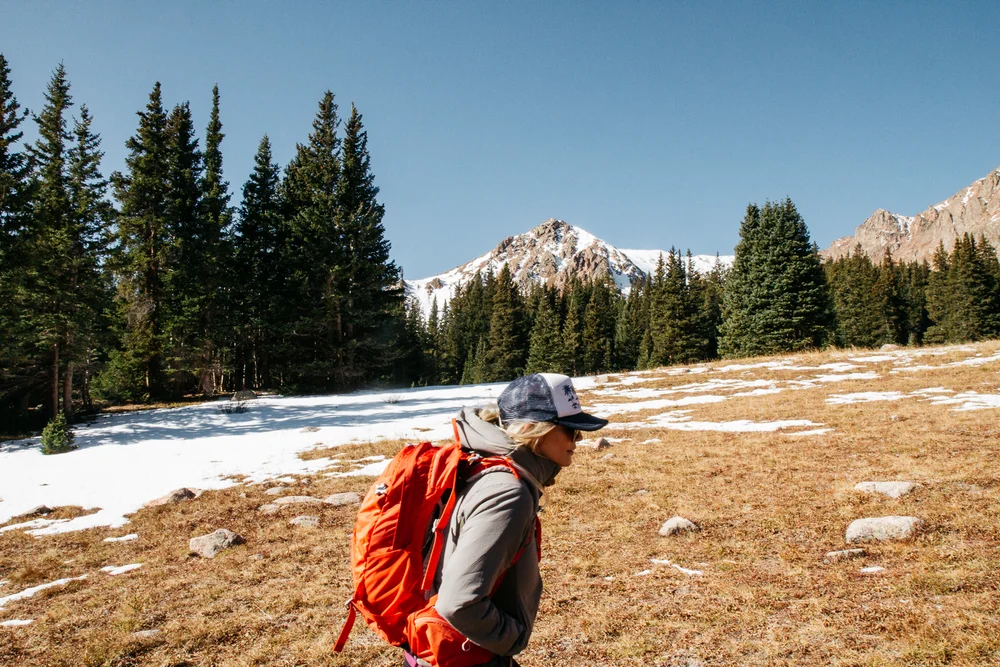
column 575, row 435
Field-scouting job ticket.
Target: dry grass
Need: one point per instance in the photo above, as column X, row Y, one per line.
column 769, row 505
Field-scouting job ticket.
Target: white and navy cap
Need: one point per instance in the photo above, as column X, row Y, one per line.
column 546, row 397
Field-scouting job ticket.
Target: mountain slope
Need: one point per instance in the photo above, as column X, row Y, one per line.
column 550, row 253
column 974, row 210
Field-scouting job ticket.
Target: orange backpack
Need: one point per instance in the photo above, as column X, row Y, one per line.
column 410, row 505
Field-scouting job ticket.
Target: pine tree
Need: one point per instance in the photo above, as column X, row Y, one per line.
column 852, row 285
column 215, row 216
column 598, row 334
column 505, row 350
column 776, row 297
column 143, row 254
column 915, row 278
column 889, row 297
column 572, row 332
column 47, row 289
column 313, row 258
column 629, row 329
column 546, row 353
column 255, row 301
column 14, row 170
column 369, row 279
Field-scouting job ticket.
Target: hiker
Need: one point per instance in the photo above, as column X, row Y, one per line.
column 488, row 584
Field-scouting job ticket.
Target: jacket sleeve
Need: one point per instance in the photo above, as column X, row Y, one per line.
column 493, row 522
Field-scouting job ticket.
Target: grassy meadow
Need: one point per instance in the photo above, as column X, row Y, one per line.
column 770, row 505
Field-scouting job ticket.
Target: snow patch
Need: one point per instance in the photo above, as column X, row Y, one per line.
column 16, row 623
column 122, row 569
column 29, row 592
column 124, row 538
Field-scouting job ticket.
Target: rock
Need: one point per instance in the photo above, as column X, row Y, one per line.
column 145, row 634
column 305, row 521
column 880, row 529
column 888, row 347
column 41, row 510
column 296, row 500
column 642, row 492
column 310, row 429
column 338, row 499
column 244, row 395
column 891, row 489
column 845, row 554
column 257, row 557
column 269, row 508
column 608, row 456
column 874, row 569
column 601, row 379
column 601, row 443
column 175, row 496
column 276, row 490
column 207, row 546
column 676, row 525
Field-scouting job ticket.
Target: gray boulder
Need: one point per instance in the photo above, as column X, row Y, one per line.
column 338, row 499
column 296, row 500
column 145, row 634
column 176, row 496
column 889, row 347
column 677, row 525
column 244, row 395
column 305, row 521
column 276, row 490
column 880, row 529
column 844, row 554
column 207, row 546
column 891, row 489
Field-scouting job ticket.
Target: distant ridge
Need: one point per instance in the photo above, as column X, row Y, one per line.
column 974, row 210
column 550, row 253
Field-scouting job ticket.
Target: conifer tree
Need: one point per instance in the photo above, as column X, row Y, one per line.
column 185, row 315
column 369, row 279
column 598, row 333
column 14, row 171
column 889, row 297
column 775, row 298
column 313, row 258
column 144, row 254
column 629, row 329
column 48, row 290
column 858, row 313
column 505, row 349
column 256, row 300
column 572, row 332
column 215, row 216
column 546, row 353
column 915, row 277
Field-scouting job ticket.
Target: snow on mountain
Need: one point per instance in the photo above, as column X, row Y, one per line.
column 550, row 253
column 973, row 210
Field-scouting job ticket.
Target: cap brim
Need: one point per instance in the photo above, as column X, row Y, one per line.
column 582, row 422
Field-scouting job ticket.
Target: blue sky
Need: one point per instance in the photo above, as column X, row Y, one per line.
column 650, row 124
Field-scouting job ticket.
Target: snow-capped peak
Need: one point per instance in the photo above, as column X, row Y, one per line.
column 550, row 253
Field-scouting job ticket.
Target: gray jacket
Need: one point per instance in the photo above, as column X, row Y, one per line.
column 493, row 519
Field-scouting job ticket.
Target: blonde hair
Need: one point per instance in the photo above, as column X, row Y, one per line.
column 525, row 433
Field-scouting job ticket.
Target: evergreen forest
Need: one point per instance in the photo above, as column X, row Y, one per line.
column 161, row 282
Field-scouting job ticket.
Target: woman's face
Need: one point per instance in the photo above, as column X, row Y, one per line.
column 559, row 444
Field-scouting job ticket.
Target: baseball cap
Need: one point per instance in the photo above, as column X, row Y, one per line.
column 546, row 397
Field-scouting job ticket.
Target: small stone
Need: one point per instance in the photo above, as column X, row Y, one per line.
column 880, row 529
column 888, row 347
column 175, row 496
column 276, row 490
column 269, row 508
column 41, row 510
column 296, row 500
column 608, row 456
column 244, row 395
column 338, row 499
column 305, row 521
column 207, row 546
column 844, row 554
column 601, row 443
column 874, row 569
column 310, row 429
column 676, row 525
column 642, row 492
column 243, row 495
column 600, row 379
column 145, row 634
column 891, row 489
column 257, row 557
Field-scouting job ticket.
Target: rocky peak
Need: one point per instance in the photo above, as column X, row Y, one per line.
column 974, row 210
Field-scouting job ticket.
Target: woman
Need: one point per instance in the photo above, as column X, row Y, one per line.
column 488, row 584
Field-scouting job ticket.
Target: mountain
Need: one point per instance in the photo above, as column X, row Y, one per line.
column 975, row 209
column 551, row 253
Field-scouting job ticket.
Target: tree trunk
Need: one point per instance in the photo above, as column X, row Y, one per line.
column 54, row 406
column 68, row 391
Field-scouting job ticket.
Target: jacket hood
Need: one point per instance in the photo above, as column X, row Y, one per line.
column 490, row 440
